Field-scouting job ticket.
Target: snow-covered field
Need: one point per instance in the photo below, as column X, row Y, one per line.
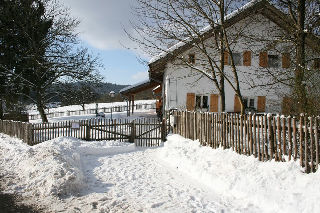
column 70, row 175
column 32, row 109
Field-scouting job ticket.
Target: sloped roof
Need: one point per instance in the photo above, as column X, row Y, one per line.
column 139, row 87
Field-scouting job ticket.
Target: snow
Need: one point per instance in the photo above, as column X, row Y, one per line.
column 115, row 115
column 91, row 106
column 71, row 175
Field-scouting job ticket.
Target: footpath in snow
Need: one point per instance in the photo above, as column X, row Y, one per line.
column 70, row 175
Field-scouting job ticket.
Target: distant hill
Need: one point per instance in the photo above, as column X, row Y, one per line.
column 108, row 87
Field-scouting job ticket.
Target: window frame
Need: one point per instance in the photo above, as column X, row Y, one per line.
column 238, row 62
column 272, row 58
column 248, row 101
column 200, row 101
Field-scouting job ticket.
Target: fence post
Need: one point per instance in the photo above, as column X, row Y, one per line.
column 270, row 138
column 133, row 131
column 88, row 130
column 29, row 133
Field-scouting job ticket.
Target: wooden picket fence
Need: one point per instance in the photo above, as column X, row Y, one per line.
column 21, row 130
column 143, row 132
column 266, row 137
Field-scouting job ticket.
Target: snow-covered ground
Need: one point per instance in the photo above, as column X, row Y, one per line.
column 115, row 115
column 33, row 110
column 70, row 175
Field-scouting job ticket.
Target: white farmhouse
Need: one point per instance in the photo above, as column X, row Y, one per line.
column 255, row 31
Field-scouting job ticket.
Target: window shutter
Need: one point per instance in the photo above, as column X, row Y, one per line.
column 261, row 104
column 190, row 101
column 285, row 60
column 246, row 58
column 214, row 103
column 237, row 105
column 226, row 58
column 263, row 59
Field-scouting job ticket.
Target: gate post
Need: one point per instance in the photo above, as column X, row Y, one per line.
column 133, row 131
column 163, row 130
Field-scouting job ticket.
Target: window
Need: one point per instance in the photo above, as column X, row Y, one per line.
column 236, row 59
column 202, row 102
column 251, row 103
column 192, row 58
column 273, row 61
column 245, row 101
column 248, row 102
column 268, row 60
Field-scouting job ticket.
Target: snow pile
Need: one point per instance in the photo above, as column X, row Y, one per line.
column 53, row 168
column 272, row 186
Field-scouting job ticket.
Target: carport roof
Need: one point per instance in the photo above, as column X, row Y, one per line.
column 139, row 87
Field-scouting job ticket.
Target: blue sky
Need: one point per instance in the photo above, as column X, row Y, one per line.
column 102, row 32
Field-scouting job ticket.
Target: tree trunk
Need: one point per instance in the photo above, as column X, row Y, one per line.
column 300, row 87
column 1, row 110
column 222, row 89
column 41, row 108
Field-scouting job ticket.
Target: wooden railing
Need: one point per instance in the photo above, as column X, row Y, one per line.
column 266, row 137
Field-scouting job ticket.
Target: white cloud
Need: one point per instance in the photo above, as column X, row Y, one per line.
column 140, row 76
column 103, row 21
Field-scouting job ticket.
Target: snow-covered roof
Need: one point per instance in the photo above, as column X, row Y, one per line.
column 202, row 31
column 135, row 85
column 139, row 87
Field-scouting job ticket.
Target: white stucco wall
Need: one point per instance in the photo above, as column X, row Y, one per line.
column 180, row 80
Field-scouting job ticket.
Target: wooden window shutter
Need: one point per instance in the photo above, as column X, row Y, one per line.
column 214, row 103
column 191, row 101
column 261, row 104
column 237, row 105
column 226, row 58
column 263, row 59
column 246, row 58
column 285, row 60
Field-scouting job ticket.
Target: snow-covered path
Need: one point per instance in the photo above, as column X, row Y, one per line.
column 141, row 181
column 70, row 175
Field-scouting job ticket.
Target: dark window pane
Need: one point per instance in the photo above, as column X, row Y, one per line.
column 205, row 102
column 251, row 103
column 236, row 59
column 273, row 61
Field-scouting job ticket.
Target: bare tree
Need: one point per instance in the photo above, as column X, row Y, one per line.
column 197, row 24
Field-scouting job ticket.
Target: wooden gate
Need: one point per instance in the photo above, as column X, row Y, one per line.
column 149, row 132
column 142, row 132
